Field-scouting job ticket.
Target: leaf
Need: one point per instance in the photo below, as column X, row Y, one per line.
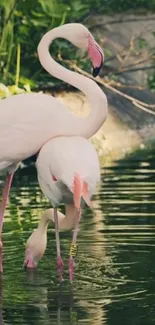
column 142, row 43
column 4, row 91
column 37, row 14
column 39, row 22
column 78, row 6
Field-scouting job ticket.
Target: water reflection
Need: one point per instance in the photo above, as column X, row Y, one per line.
column 115, row 273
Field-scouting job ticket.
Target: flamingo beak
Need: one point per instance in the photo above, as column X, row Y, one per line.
column 96, row 71
column 85, row 194
column 77, row 191
column 96, row 55
column 80, row 190
column 29, row 261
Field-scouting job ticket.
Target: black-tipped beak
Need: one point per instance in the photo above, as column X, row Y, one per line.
column 96, row 71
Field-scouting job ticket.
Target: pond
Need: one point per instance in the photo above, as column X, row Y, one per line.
column 115, row 271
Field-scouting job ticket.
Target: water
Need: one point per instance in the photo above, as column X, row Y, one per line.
column 115, row 273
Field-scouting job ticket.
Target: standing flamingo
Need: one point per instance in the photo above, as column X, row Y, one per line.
column 68, row 171
column 37, row 242
column 27, row 121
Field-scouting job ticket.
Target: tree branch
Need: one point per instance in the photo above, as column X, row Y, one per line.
column 138, row 103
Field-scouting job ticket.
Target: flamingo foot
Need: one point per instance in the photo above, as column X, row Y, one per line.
column 71, row 266
column 60, row 265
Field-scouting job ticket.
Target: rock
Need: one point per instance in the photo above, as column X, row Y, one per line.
column 129, row 43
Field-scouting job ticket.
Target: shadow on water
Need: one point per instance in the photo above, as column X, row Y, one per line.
column 115, row 273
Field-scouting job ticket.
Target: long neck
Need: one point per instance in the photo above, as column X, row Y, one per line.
column 44, row 221
column 69, row 219
column 89, row 125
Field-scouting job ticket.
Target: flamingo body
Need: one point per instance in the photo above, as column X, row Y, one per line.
column 68, row 171
column 62, row 159
column 27, row 121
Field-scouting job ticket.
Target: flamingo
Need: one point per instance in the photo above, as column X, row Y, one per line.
column 37, row 242
column 68, row 172
column 27, row 121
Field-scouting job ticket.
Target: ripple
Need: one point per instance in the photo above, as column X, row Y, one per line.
column 115, row 271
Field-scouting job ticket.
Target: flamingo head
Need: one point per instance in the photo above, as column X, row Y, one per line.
column 74, row 190
column 96, row 55
column 35, row 249
column 78, row 189
column 81, row 37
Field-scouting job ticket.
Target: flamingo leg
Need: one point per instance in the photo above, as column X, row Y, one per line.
column 73, row 248
column 59, row 259
column 5, row 195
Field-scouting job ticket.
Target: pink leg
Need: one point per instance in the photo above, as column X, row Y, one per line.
column 73, row 248
column 6, row 191
column 59, row 259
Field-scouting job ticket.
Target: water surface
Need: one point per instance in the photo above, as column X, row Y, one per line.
column 115, row 273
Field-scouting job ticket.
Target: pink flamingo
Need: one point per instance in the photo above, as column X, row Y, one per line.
column 37, row 242
column 27, row 121
column 68, row 171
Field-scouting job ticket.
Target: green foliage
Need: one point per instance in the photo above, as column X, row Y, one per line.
column 151, row 82
column 24, row 22
column 141, row 43
column 7, row 31
column 12, row 90
column 113, row 6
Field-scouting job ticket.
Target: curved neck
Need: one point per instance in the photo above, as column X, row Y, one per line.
column 89, row 125
column 44, row 221
column 68, row 221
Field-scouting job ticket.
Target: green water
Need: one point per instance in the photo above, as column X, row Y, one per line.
column 115, row 272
